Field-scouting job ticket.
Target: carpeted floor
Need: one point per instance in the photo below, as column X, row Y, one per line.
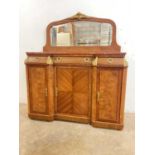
column 67, row 138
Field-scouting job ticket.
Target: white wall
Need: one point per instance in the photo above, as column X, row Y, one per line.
column 36, row 14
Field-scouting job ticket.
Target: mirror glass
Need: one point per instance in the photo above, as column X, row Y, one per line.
column 81, row 33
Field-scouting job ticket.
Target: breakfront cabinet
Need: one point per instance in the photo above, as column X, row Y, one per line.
column 81, row 74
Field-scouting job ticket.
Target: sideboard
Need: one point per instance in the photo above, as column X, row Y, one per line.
column 81, row 74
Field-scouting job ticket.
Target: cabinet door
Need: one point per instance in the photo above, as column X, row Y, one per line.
column 37, row 89
column 108, row 94
column 64, row 90
column 73, row 90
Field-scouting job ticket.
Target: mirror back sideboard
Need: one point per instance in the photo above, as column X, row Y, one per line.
column 81, row 74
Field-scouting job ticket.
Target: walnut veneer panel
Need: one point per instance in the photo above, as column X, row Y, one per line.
column 37, row 89
column 109, row 94
column 64, row 90
column 81, row 92
column 73, row 91
column 73, row 60
column 36, row 60
column 116, row 62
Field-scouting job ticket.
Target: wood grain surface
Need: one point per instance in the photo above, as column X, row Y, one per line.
column 73, row 91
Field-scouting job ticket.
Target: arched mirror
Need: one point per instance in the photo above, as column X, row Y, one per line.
column 81, row 33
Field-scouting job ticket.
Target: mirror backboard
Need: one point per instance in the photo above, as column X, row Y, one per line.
column 82, row 34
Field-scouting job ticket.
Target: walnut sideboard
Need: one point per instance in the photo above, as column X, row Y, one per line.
column 81, row 74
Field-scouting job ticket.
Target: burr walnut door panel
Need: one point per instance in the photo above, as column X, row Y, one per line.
column 73, row 90
column 109, row 91
column 37, row 89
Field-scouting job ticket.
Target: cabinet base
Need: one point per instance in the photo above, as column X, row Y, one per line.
column 98, row 124
column 107, row 125
column 41, row 117
column 79, row 119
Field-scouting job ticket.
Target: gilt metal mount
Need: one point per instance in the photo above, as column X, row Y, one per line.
column 49, row 60
column 94, row 62
column 79, row 15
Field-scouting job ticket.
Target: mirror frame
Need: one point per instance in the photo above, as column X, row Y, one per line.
column 114, row 47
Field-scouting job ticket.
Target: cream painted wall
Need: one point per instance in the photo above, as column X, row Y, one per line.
column 36, row 14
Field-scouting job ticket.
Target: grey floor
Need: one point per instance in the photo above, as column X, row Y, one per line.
column 67, row 138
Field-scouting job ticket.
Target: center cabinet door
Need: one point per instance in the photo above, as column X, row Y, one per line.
column 73, row 93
